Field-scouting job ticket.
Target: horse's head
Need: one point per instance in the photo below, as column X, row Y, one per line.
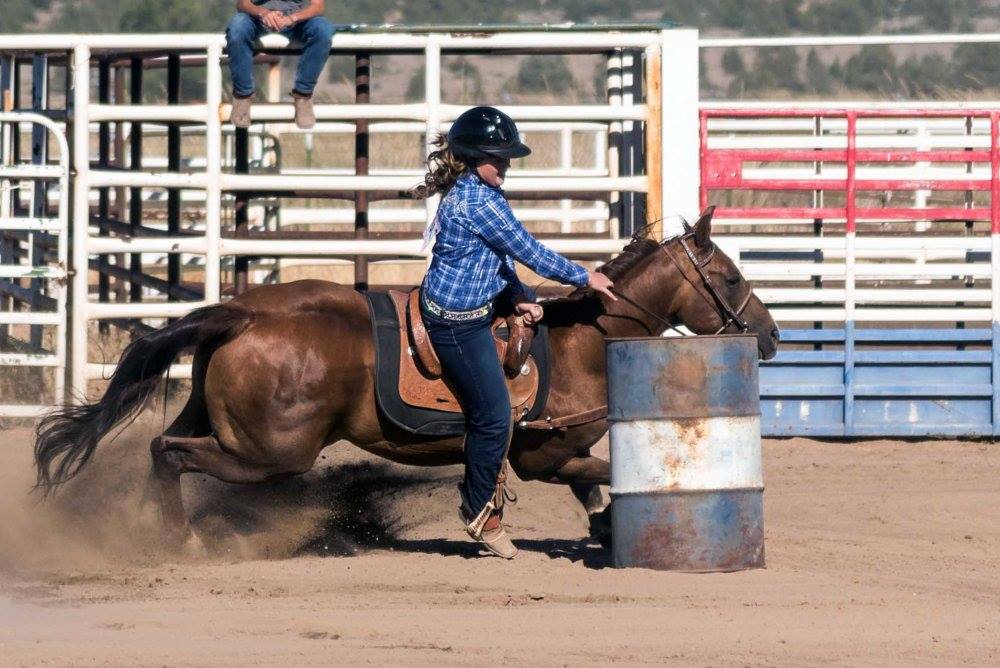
column 715, row 298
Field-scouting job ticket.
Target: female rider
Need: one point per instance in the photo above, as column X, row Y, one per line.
column 477, row 240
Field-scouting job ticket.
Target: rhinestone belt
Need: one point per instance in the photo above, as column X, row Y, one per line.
column 458, row 316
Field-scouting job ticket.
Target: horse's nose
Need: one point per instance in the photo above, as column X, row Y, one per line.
column 776, row 334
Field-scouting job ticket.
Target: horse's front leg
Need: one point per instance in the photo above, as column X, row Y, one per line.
column 585, row 475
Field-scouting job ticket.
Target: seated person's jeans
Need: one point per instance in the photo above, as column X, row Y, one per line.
column 314, row 34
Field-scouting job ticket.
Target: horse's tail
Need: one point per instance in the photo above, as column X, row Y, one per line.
column 66, row 438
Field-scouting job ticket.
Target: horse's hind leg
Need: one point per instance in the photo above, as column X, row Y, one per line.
column 176, row 455
column 192, row 421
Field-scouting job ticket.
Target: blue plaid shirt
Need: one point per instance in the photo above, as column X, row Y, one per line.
column 478, row 240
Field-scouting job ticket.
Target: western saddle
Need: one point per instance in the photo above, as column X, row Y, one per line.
column 420, row 381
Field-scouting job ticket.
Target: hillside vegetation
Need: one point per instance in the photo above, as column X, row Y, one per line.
column 875, row 70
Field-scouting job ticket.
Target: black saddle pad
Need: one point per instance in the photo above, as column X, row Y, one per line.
column 424, row 421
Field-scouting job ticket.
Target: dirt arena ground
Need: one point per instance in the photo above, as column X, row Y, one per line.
column 878, row 553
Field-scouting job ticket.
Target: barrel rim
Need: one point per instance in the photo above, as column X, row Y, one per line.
column 699, row 337
column 614, row 416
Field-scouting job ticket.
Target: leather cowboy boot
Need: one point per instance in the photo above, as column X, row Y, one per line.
column 486, row 527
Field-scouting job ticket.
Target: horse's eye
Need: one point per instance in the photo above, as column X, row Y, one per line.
column 733, row 281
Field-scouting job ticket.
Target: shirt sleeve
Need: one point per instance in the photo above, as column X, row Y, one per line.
column 496, row 224
column 509, row 273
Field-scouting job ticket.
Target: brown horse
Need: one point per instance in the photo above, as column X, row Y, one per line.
column 283, row 371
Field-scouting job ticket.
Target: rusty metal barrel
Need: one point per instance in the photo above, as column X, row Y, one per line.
column 687, row 486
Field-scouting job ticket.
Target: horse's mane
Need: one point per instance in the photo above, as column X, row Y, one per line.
column 580, row 305
column 633, row 253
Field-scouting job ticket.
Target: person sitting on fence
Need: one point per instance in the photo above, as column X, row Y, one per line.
column 298, row 20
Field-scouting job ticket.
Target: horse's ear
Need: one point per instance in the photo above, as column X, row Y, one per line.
column 703, row 228
column 687, row 225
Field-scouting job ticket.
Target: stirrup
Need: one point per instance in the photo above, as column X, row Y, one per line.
column 474, row 525
column 503, row 494
column 495, row 541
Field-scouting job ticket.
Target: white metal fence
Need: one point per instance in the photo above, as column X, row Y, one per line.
column 919, row 263
column 33, row 274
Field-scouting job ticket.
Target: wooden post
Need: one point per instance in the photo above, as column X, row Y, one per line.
column 654, row 143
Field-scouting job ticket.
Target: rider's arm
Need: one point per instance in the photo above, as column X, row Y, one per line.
column 496, row 224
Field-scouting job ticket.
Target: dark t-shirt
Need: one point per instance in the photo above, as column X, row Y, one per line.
column 286, row 6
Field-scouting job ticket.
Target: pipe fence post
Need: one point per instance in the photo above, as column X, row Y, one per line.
column 213, row 171
column 995, row 264
column 173, row 165
column 614, row 140
column 81, row 221
column 362, row 95
column 432, row 93
column 135, row 164
column 680, row 169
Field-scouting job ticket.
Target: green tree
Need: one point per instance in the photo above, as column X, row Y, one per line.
column 732, row 63
column 977, row 66
column 454, row 12
column 415, row 89
column 775, row 69
column 929, row 76
column 538, row 74
column 688, row 12
column 18, row 14
column 817, row 78
column 841, row 17
column 872, row 69
column 464, row 77
column 143, row 16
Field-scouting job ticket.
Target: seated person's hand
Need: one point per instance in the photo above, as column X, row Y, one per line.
column 532, row 313
column 275, row 21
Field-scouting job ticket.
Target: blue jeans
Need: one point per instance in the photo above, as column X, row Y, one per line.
column 470, row 364
column 243, row 30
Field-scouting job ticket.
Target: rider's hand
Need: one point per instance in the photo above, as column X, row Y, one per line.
column 531, row 312
column 601, row 283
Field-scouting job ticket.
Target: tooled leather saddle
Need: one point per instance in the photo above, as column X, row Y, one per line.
column 409, row 389
column 420, row 381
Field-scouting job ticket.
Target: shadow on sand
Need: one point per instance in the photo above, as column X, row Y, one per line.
column 343, row 510
column 584, row 550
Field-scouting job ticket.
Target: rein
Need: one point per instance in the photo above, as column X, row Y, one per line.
column 629, row 300
column 727, row 314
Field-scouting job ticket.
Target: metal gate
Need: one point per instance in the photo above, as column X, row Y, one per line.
column 874, row 235
column 34, row 242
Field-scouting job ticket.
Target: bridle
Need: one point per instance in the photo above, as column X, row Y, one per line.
column 727, row 315
column 705, row 287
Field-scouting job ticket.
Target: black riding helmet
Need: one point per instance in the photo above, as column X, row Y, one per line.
column 485, row 131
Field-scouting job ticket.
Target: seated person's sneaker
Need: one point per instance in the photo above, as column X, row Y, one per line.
column 305, row 118
column 240, row 115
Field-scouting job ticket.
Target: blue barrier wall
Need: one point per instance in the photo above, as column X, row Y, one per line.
column 882, row 382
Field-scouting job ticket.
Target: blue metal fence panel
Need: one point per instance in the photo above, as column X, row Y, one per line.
column 913, row 382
